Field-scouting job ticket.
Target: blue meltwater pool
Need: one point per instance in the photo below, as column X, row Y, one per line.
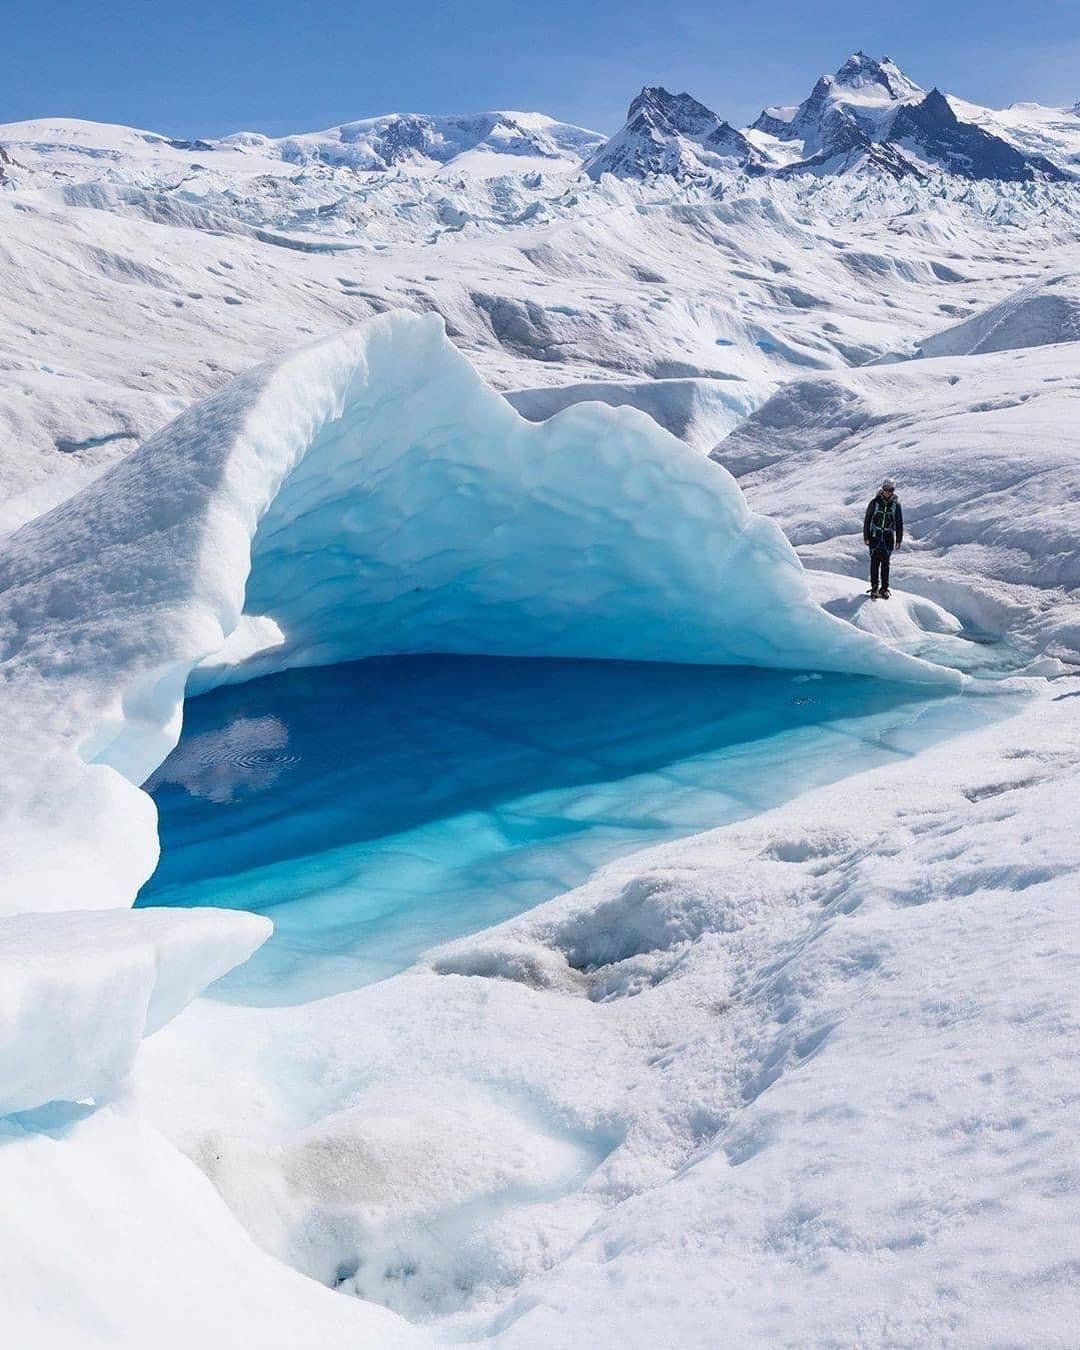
column 376, row 809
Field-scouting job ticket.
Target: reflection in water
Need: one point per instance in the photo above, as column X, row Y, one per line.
column 221, row 765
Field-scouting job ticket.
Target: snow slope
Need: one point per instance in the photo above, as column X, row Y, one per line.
column 142, row 273
column 747, row 292
column 986, row 456
column 1046, row 312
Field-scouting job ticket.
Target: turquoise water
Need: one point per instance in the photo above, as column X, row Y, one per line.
column 376, row 809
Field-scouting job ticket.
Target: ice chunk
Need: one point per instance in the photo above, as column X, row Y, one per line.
column 78, row 992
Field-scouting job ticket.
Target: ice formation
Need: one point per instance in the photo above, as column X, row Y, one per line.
column 209, row 548
column 80, row 991
column 327, row 494
column 808, row 1080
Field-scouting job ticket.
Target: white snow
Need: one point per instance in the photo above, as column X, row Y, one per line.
column 986, row 456
column 807, row 1080
column 1046, row 312
column 1053, row 132
column 130, row 293
column 80, row 992
column 120, row 1243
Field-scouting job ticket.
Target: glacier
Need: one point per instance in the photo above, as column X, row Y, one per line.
column 203, row 558
column 807, row 1078
column 382, row 441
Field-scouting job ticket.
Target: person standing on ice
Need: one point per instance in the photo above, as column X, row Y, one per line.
column 882, row 531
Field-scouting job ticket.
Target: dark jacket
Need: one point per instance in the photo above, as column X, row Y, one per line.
column 883, row 524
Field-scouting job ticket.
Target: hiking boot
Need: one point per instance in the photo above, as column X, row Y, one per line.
column 885, row 593
column 873, row 593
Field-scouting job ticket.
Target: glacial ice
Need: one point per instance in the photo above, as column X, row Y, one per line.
column 80, row 991
column 310, row 513
column 325, row 495
column 826, row 1055
column 1042, row 314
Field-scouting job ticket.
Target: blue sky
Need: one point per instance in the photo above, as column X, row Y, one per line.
column 197, row 67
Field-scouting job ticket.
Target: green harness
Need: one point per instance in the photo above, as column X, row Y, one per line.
column 883, row 521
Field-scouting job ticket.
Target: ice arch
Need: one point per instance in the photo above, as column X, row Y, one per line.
column 368, row 494
column 416, row 511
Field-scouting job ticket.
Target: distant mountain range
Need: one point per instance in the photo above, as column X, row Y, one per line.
column 867, row 118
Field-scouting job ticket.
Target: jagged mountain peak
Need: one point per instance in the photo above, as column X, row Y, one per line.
column 871, row 117
column 681, row 111
column 671, row 134
column 866, row 73
column 660, row 101
column 935, row 104
column 932, row 132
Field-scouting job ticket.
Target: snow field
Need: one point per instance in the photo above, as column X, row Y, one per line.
column 986, row 456
column 615, row 283
column 810, row 1079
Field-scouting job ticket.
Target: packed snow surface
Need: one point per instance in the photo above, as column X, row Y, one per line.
column 986, row 451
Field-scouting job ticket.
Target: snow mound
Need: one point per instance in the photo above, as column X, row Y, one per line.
column 80, row 991
column 368, row 495
column 1040, row 315
column 909, row 623
column 698, row 411
column 113, row 1221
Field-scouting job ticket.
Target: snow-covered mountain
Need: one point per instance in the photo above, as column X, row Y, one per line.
column 420, row 142
column 671, row 134
column 1050, row 132
column 409, row 142
column 870, row 116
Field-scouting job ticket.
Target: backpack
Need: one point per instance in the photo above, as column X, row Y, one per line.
column 883, row 520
